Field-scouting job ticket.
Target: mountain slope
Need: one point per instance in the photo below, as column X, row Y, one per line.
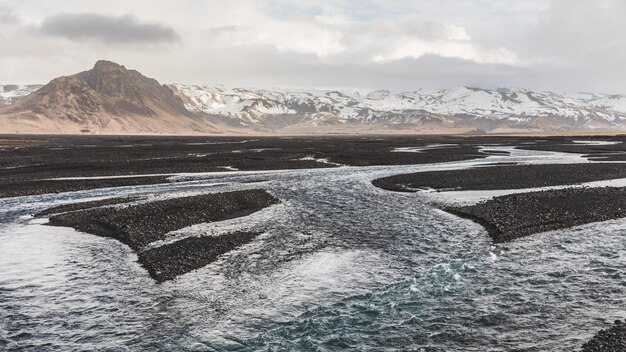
column 460, row 107
column 106, row 99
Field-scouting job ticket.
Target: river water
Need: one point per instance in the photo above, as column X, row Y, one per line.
column 342, row 265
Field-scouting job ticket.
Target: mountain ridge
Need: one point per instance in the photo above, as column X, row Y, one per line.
column 114, row 100
column 461, row 106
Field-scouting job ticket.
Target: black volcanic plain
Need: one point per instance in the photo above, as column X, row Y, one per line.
column 30, row 164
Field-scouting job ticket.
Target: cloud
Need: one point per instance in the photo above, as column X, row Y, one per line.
column 582, row 32
column 271, row 68
column 7, row 17
column 562, row 45
column 409, row 36
column 336, row 37
column 125, row 29
column 305, row 38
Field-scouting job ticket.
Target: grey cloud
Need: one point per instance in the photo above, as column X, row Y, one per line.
column 271, row 68
column 588, row 35
column 107, row 29
column 7, row 16
column 561, row 45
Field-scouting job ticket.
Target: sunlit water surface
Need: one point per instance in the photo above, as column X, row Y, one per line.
column 341, row 265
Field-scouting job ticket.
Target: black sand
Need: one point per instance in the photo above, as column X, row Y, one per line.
column 367, row 154
column 142, row 224
column 611, row 152
column 608, row 340
column 26, row 162
column 517, row 215
column 503, row 177
column 168, row 261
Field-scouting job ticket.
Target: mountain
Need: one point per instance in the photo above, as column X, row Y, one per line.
column 106, row 99
column 11, row 93
column 114, row 100
column 459, row 108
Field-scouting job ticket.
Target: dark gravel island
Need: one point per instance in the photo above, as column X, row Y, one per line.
column 141, row 224
column 503, row 177
column 517, row 215
column 168, row 261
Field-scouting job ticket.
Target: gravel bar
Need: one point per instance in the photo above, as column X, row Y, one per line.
column 86, row 205
column 142, row 224
column 168, row 261
column 503, row 177
column 608, row 340
column 517, row 215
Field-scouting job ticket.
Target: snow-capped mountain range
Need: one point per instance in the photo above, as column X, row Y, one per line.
column 456, row 107
column 460, row 108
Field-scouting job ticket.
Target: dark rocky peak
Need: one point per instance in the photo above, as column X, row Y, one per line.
column 108, row 66
column 112, row 79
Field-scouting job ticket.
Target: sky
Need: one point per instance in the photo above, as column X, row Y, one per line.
column 400, row 45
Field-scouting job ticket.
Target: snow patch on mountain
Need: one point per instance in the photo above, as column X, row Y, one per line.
column 11, row 93
column 454, row 106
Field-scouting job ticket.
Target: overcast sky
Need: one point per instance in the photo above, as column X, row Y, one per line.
column 560, row 45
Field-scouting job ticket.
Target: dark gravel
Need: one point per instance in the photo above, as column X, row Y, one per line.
column 33, row 187
column 367, row 154
column 86, row 205
column 517, row 215
column 503, row 177
column 26, row 161
column 611, row 152
column 168, row 261
column 608, row 340
column 142, row 224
